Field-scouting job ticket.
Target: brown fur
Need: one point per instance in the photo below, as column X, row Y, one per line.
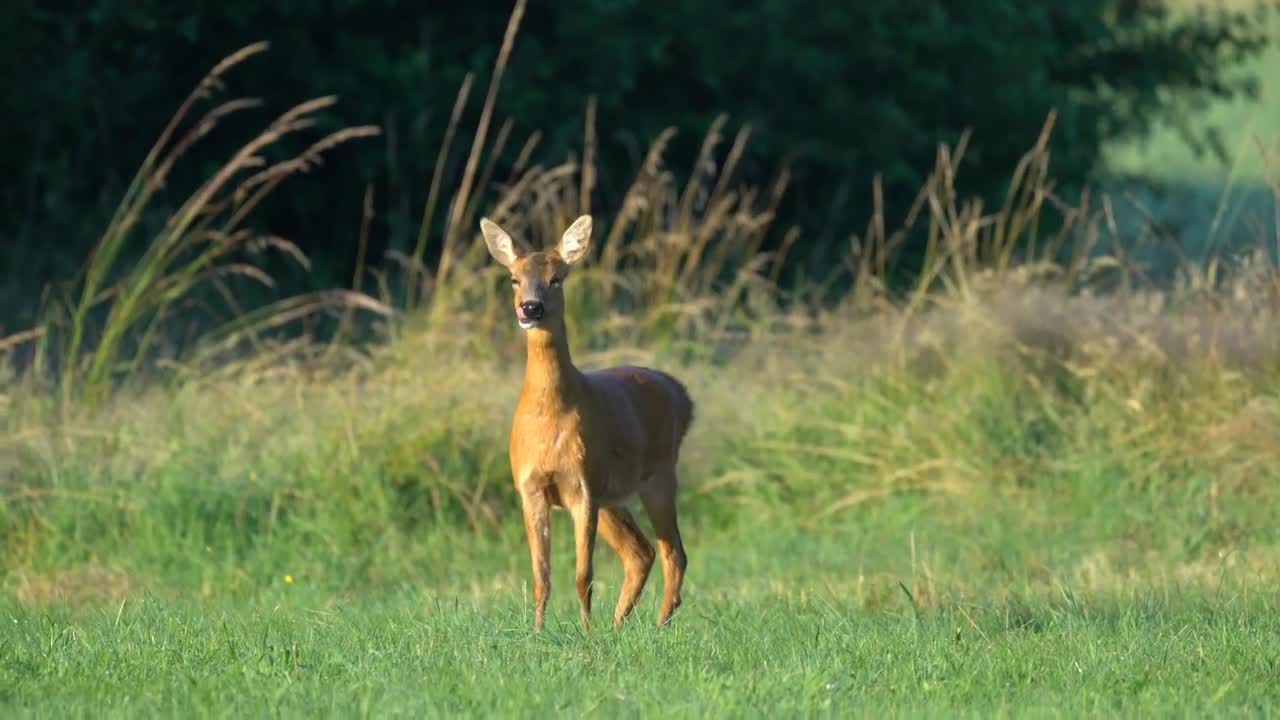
column 588, row 442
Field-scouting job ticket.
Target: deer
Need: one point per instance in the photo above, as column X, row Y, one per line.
column 589, row 442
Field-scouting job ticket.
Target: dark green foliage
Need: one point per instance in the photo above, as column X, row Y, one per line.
column 839, row 92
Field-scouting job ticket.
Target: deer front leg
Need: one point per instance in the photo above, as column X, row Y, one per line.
column 537, row 526
column 585, row 516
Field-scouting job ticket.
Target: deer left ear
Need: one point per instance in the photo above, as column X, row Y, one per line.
column 501, row 246
column 576, row 240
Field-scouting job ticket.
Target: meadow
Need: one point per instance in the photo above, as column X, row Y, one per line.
column 1039, row 483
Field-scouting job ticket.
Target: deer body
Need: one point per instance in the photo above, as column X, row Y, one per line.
column 592, row 434
column 589, row 442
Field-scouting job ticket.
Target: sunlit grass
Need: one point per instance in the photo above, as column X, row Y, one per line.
column 1130, row 656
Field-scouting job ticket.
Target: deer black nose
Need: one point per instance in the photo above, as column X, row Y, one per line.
column 532, row 309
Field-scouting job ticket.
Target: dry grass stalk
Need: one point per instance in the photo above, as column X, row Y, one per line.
column 194, row 247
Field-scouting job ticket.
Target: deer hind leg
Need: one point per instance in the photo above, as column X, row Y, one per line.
column 537, row 526
column 660, row 504
column 619, row 529
column 585, row 518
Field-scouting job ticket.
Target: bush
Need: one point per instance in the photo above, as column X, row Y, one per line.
column 840, row 92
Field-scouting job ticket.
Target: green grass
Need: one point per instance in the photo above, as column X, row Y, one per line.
column 1165, row 655
column 975, row 533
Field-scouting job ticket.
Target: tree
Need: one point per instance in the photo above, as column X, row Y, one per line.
column 838, row 92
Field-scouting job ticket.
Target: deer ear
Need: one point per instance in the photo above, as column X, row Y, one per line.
column 501, row 246
column 576, row 240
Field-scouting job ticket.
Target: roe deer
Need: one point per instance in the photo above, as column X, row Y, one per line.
column 589, row 441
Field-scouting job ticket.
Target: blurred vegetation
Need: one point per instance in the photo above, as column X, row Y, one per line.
column 1025, row 412
column 837, row 93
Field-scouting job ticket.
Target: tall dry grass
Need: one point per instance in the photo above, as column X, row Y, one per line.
column 119, row 308
column 679, row 266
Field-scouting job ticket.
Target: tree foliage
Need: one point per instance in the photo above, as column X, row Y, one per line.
column 837, row 92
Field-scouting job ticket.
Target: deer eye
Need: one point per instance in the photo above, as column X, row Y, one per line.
column 515, row 281
column 555, row 282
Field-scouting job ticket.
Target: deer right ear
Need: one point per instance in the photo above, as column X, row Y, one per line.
column 501, row 246
column 575, row 241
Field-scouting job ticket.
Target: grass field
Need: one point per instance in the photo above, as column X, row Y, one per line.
column 740, row 656
column 962, row 541
column 981, row 531
column 1030, row 487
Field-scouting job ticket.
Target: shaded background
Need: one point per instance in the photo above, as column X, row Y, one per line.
column 837, row 93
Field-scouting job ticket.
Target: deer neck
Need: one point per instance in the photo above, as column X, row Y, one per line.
column 550, row 379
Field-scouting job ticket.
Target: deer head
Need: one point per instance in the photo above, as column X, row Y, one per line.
column 537, row 278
